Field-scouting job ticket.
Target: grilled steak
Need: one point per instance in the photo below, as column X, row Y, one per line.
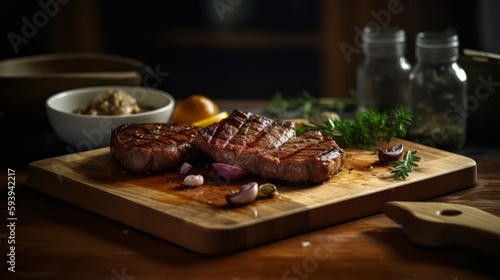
column 270, row 148
column 309, row 158
column 238, row 138
column 151, row 147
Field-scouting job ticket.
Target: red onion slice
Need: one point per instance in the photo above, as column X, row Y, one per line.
column 247, row 194
column 229, row 172
column 185, row 167
column 391, row 154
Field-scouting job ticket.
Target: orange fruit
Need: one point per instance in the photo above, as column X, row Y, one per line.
column 194, row 108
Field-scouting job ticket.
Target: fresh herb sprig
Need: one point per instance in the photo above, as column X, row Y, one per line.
column 366, row 131
column 403, row 167
column 281, row 106
column 304, row 106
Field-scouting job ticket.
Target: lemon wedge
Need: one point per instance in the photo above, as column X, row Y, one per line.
column 210, row 120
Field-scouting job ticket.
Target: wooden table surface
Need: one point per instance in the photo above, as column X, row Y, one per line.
column 56, row 240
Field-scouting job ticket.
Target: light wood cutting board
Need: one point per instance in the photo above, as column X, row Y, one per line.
column 199, row 219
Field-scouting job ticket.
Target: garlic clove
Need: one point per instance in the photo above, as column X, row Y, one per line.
column 193, row 181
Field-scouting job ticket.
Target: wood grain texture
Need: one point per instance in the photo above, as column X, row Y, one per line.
column 58, row 240
column 199, row 219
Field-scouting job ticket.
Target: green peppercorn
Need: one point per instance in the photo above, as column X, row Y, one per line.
column 268, row 189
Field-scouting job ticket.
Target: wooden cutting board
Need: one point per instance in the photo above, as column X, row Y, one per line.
column 199, row 219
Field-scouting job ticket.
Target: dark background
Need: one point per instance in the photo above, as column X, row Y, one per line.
column 260, row 47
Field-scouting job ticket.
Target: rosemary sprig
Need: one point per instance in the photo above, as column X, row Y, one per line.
column 366, row 131
column 403, row 167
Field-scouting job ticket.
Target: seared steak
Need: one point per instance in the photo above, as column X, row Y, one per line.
column 309, row 158
column 151, row 147
column 238, row 138
column 271, row 149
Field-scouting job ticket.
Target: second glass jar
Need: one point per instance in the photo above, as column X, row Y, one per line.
column 382, row 77
column 438, row 90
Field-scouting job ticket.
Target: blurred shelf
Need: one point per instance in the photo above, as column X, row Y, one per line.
column 187, row 37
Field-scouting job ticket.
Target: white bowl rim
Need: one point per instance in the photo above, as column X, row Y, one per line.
column 103, row 88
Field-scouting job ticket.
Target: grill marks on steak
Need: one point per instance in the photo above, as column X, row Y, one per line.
column 247, row 130
column 270, row 148
column 309, row 158
column 151, row 147
column 239, row 138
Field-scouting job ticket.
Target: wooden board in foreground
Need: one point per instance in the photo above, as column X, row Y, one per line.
column 199, row 219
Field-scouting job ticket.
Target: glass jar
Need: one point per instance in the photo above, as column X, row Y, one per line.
column 382, row 77
column 438, row 92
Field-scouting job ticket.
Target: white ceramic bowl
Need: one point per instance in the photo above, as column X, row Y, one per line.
column 85, row 132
